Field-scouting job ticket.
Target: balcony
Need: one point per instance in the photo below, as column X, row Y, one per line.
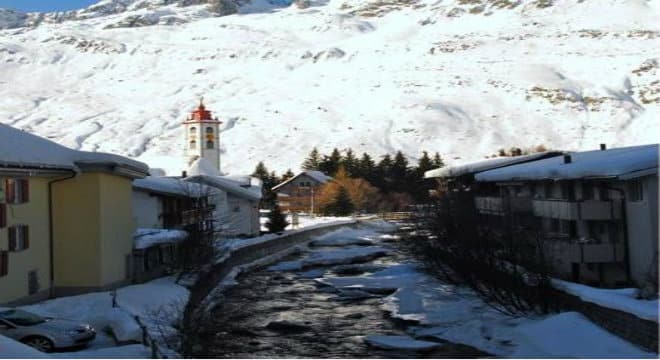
column 489, row 205
column 496, row 205
column 577, row 210
column 573, row 252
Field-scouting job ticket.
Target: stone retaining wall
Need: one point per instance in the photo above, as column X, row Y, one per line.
column 641, row 332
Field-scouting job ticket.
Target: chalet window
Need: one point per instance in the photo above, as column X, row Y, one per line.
column 209, row 130
column 4, row 263
column 3, row 215
column 19, row 238
column 635, row 191
column 209, row 144
column 17, row 191
column 193, row 144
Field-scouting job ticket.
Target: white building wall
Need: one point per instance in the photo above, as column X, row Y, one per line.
column 642, row 217
column 147, row 210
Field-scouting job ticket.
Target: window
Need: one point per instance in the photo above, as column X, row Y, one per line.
column 3, row 215
column 193, row 130
column 209, row 144
column 567, row 191
column 4, row 263
column 193, row 144
column 635, row 191
column 17, row 191
column 19, row 238
column 209, row 130
column 167, row 253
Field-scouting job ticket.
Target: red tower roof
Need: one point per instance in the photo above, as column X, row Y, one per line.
column 201, row 114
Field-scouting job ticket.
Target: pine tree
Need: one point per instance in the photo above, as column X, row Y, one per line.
column 276, row 220
column 330, row 164
column 366, row 168
column 383, row 178
column 260, row 171
column 399, row 173
column 287, row 175
column 342, row 204
column 269, row 180
column 424, row 164
column 437, row 161
column 312, row 161
column 350, row 163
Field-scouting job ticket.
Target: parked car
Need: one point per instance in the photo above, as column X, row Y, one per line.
column 43, row 333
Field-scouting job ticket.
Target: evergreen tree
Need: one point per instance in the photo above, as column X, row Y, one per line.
column 268, row 181
column 312, row 161
column 276, row 220
column 437, row 161
column 399, row 173
column 424, row 164
column 341, row 204
column 366, row 168
column 383, row 178
column 350, row 163
column 330, row 164
column 287, row 175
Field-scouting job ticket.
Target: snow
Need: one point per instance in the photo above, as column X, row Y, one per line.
column 331, row 257
column 616, row 162
column 251, row 192
column 618, row 299
column 400, row 342
column 22, row 149
column 134, row 351
column 203, row 166
column 157, row 312
column 570, row 335
column 145, row 238
column 11, row 349
column 172, row 186
column 483, row 165
column 565, row 76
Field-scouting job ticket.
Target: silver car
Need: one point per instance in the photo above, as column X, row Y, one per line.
column 43, row 333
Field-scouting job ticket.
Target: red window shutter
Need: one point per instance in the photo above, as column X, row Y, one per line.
column 10, row 191
column 3, row 215
column 26, row 237
column 4, row 263
column 25, row 190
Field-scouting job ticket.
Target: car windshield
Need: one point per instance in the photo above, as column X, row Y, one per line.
column 21, row 318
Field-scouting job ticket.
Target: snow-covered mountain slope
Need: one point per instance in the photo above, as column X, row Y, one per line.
column 462, row 77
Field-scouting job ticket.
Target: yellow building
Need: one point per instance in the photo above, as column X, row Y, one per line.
column 66, row 221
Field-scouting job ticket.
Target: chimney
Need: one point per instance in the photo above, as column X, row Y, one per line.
column 603, row 147
column 184, row 174
column 567, row 159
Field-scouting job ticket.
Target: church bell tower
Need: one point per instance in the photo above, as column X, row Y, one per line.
column 202, row 136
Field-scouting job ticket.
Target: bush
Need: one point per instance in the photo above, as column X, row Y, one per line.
column 341, row 205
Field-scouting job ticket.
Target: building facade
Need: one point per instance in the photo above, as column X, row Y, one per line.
column 299, row 193
column 202, row 137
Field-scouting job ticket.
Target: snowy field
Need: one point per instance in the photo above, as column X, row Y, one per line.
column 460, row 77
column 447, row 312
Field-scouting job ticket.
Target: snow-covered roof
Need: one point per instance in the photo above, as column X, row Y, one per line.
column 245, row 191
column 20, row 149
column 172, row 186
column 484, row 165
column 318, row 176
column 625, row 162
column 202, row 166
column 145, row 238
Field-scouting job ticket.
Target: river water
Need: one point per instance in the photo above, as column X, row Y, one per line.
column 290, row 314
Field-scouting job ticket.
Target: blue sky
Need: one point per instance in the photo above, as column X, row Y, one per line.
column 45, row 5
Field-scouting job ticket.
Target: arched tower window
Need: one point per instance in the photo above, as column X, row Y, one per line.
column 209, row 144
column 193, row 129
column 209, row 130
column 193, row 144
